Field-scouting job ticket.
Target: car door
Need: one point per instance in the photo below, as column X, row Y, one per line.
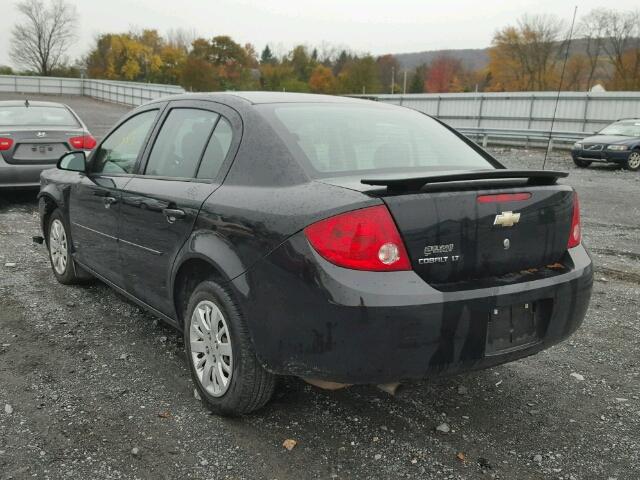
column 180, row 169
column 94, row 202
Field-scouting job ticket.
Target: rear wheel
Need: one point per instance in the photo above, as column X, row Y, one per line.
column 223, row 365
column 59, row 251
column 633, row 161
column 581, row 163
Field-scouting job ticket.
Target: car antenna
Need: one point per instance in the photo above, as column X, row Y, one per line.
column 26, row 103
column 564, row 64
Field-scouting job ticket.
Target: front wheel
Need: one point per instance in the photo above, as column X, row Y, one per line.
column 223, row 365
column 633, row 161
column 581, row 163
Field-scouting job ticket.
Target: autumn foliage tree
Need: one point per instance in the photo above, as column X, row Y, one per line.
column 524, row 57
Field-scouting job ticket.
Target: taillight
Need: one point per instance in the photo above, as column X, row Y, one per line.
column 575, row 233
column 365, row 239
column 5, row 143
column 86, row 142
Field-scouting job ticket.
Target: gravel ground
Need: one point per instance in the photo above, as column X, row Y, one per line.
column 93, row 387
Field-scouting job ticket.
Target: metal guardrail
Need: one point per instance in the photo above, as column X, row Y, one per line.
column 503, row 114
column 512, row 136
column 127, row 93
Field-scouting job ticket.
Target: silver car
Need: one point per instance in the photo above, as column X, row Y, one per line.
column 33, row 136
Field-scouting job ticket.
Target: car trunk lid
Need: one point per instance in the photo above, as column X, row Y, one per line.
column 461, row 226
column 461, row 229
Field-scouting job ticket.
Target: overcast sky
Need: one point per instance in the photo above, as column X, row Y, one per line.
column 375, row 26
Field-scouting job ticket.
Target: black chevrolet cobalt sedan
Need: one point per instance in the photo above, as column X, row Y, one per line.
column 334, row 239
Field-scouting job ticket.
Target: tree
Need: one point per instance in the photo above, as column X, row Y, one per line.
column 444, row 75
column 524, row 57
column 41, row 40
column 360, row 75
column 133, row 56
column 388, row 66
column 623, row 48
column 592, row 29
column 301, row 62
column 267, row 56
column 322, row 80
column 417, row 80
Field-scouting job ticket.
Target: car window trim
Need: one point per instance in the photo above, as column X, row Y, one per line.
column 165, row 117
column 135, row 113
column 223, row 110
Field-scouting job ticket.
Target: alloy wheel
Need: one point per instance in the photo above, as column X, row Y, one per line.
column 211, row 351
column 634, row 160
column 58, row 247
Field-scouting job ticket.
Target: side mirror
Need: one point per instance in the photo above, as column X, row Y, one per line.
column 73, row 161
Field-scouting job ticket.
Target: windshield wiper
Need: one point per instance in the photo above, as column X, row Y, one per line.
column 533, row 177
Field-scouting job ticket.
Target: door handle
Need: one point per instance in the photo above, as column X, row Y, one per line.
column 108, row 201
column 173, row 214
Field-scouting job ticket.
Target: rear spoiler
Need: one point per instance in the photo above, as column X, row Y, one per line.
column 533, row 177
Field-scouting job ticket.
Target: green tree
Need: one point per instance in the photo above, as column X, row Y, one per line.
column 417, row 80
column 360, row 75
column 267, row 56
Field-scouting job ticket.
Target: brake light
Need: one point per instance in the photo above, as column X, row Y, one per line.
column 5, row 143
column 86, row 142
column 575, row 234
column 504, row 197
column 365, row 239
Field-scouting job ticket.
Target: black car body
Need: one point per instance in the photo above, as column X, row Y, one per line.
column 616, row 143
column 33, row 136
column 480, row 265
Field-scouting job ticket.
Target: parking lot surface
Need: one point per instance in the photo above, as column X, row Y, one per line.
column 91, row 386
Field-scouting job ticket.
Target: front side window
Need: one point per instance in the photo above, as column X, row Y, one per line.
column 180, row 143
column 338, row 139
column 119, row 152
column 216, row 151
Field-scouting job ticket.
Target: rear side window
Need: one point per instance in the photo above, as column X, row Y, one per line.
column 338, row 139
column 180, row 143
column 21, row 116
column 216, row 151
column 119, row 152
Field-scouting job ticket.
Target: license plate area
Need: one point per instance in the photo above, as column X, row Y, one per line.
column 34, row 152
column 512, row 327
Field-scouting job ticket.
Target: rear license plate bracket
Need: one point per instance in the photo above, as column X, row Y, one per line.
column 511, row 327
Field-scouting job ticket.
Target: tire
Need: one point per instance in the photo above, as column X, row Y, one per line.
column 581, row 163
column 633, row 161
column 60, row 257
column 232, row 384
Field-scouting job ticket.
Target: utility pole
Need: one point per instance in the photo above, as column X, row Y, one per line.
column 393, row 79
column 404, row 84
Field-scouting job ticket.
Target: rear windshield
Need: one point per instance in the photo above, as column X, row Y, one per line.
column 21, row 116
column 627, row 129
column 337, row 139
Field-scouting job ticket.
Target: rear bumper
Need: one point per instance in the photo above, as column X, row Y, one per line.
column 335, row 324
column 21, row 176
column 600, row 156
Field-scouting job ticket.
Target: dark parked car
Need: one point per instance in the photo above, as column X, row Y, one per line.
column 333, row 239
column 615, row 143
column 33, row 136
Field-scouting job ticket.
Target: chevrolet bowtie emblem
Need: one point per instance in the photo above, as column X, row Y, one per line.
column 507, row 219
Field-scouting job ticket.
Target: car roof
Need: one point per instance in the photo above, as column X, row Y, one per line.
column 256, row 98
column 35, row 103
